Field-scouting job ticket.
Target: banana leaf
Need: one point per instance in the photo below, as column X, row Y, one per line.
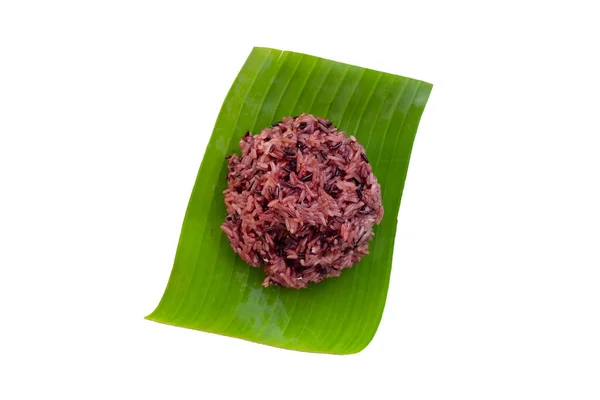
column 211, row 289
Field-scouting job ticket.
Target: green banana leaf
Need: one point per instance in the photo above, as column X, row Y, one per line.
column 211, row 289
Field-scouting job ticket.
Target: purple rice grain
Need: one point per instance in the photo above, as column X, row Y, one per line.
column 299, row 224
column 307, row 177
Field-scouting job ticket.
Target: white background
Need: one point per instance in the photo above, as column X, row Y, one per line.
column 106, row 108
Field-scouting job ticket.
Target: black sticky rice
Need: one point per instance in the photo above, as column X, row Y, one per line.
column 301, row 200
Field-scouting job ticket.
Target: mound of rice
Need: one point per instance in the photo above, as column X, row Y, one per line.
column 301, row 200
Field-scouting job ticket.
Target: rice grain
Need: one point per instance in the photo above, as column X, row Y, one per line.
column 299, row 202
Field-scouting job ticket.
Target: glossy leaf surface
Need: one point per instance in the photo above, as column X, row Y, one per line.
column 212, row 289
